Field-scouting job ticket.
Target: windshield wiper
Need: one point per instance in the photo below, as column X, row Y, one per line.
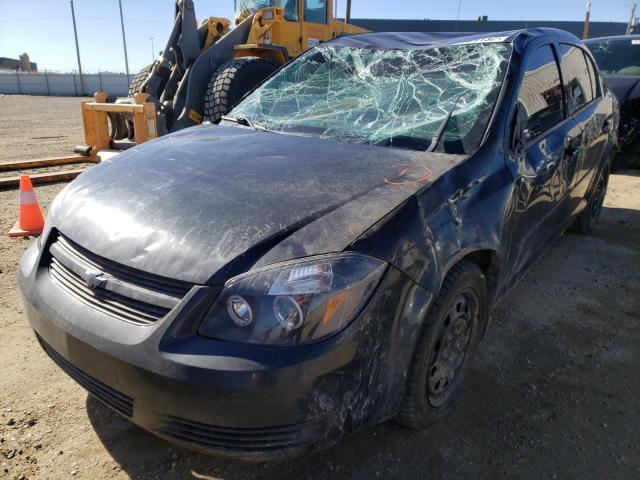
column 246, row 122
column 437, row 136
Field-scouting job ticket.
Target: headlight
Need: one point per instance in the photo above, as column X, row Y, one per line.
column 296, row 303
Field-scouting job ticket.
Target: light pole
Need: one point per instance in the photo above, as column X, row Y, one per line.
column 587, row 14
column 153, row 50
column 632, row 20
column 124, row 40
column 75, row 34
column 458, row 16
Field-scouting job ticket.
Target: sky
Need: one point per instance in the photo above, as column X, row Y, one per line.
column 43, row 28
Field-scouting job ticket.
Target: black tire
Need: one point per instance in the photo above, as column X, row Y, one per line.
column 118, row 126
column 231, row 82
column 446, row 345
column 123, row 126
column 139, row 79
column 588, row 219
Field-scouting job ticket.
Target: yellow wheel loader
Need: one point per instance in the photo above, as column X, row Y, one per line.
column 202, row 72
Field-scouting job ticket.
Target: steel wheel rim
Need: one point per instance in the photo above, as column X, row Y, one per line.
column 451, row 348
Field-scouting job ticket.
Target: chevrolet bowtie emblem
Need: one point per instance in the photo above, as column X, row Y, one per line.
column 95, row 278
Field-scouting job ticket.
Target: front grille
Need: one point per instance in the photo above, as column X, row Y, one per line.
column 120, row 402
column 122, row 292
column 240, row 439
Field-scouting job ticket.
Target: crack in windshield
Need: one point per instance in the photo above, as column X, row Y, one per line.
column 395, row 98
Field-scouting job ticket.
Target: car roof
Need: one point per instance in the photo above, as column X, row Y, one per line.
column 427, row 40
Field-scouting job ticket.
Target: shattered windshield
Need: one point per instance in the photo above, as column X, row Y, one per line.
column 617, row 56
column 394, row 98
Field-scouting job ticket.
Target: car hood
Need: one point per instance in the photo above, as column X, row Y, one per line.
column 211, row 201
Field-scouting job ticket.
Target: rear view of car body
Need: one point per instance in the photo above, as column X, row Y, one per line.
column 127, row 302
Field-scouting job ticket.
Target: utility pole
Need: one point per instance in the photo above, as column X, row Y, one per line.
column 585, row 30
column 455, row 29
column 347, row 16
column 75, row 34
column 632, row 20
column 153, row 50
column 124, row 40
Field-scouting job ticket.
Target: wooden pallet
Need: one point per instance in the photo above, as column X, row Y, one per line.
column 32, row 166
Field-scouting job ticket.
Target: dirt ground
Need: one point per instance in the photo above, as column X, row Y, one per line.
column 553, row 392
column 34, row 127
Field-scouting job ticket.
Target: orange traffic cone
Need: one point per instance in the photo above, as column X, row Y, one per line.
column 30, row 221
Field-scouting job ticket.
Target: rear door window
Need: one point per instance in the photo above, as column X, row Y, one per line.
column 595, row 83
column 540, row 97
column 577, row 80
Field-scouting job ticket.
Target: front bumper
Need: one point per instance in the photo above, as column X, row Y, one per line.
column 246, row 401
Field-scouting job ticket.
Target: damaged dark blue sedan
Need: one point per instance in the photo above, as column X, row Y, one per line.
column 326, row 258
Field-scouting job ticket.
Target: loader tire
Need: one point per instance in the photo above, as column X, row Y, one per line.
column 139, row 79
column 231, row 82
column 118, row 126
column 134, row 87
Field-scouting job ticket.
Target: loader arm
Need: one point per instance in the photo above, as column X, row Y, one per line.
column 168, row 72
column 191, row 92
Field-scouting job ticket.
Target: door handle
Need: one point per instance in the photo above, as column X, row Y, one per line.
column 573, row 148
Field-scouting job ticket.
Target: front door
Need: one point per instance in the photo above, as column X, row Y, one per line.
column 541, row 163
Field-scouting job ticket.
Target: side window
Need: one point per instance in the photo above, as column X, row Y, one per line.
column 595, row 83
column 577, row 80
column 315, row 11
column 540, row 96
column 290, row 8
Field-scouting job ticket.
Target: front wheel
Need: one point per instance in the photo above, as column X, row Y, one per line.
column 122, row 124
column 447, row 344
column 231, row 82
column 136, row 84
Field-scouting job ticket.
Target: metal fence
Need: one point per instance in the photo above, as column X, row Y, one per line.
column 67, row 84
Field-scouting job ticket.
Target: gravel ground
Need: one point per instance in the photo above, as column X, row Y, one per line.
column 553, row 392
column 33, row 127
